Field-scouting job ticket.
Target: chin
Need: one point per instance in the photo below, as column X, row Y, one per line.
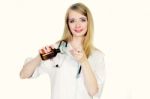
column 78, row 34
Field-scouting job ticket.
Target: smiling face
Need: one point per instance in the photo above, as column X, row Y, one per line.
column 77, row 23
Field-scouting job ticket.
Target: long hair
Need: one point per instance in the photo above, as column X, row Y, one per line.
column 67, row 36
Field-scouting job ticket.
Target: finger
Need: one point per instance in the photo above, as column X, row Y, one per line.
column 48, row 49
column 52, row 46
column 45, row 49
column 72, row 52
column 79, row 49
column 41, row 51
column 76, row 52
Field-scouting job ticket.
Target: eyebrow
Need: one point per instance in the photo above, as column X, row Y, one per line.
column 79, row 18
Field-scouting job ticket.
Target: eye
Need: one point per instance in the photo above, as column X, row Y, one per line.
column 83, row 20
column 71, row 21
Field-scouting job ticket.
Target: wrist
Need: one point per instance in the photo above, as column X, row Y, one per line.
column 39, row 57
column 83, row 61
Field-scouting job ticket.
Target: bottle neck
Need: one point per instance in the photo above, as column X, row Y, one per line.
column 57, row 50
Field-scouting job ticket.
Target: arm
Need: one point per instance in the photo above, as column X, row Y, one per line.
column 89, row 77
column 93, row 75
column 29, row 67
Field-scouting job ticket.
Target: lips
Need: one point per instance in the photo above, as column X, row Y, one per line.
column 78, row 31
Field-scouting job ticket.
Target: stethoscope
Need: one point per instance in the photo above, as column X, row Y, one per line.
column 61, row 49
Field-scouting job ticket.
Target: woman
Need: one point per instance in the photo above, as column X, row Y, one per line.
column 78, row 73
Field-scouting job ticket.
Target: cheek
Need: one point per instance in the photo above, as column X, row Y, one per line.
column 85, row 26
column 71, row 27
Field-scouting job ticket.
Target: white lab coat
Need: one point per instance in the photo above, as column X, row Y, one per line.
column 65, row 83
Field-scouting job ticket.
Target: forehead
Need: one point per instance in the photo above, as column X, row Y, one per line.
column 75, row 14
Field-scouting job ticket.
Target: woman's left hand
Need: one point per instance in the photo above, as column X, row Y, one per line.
column 79, row 55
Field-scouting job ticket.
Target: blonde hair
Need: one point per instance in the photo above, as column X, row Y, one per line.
column 67, row 36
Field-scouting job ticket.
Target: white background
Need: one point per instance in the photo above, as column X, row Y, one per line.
column 122, row 29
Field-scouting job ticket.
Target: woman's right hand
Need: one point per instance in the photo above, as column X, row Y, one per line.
column 46, row 49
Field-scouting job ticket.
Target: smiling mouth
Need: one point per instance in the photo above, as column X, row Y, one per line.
column 78, row 31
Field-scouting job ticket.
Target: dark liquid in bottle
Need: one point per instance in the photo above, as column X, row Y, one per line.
column 50, row 55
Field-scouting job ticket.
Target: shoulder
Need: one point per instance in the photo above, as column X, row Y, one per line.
column 60, row 42
column 97, row 53
column 96, row 56
column 56, row 44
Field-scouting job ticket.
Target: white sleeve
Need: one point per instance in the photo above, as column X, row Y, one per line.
column 43, row 67
column 99, row 70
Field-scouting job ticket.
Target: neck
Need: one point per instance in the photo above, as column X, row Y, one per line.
column 77, row 42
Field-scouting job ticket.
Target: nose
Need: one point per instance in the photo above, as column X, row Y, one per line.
column 78, row 24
